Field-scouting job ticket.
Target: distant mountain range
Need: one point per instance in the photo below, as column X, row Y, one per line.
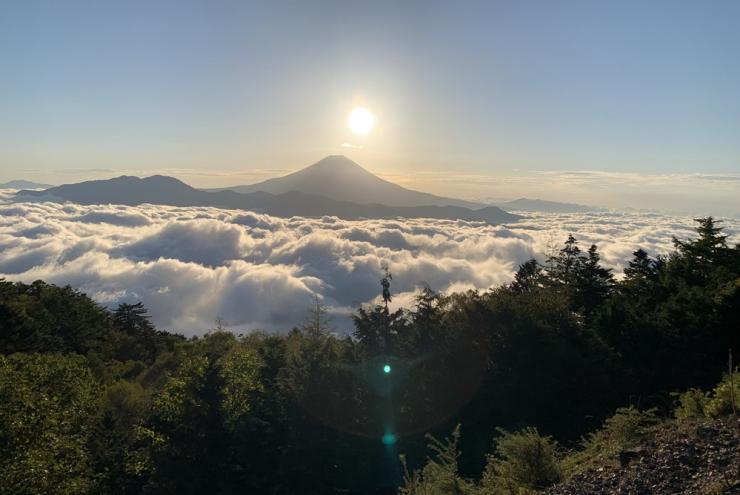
column 525, row 204
column 24, row 184
column 164, row 190
column 339, row 178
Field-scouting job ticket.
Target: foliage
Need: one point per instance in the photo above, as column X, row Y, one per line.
column 96, row 400
column 49, row 404
column 45, row 318
column 524, row 462
column 440, row 473
column 692, row 404
column 239, row 371
column 720, row 402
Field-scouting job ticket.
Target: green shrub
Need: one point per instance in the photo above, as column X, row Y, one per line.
column 439, row 475
column 523, row 462
column 720, row 402
column 691, row 404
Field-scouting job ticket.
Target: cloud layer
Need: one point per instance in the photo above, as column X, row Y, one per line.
column 193, row 265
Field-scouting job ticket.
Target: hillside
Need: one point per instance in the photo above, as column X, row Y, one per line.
column 698, row 457
column 339, row 178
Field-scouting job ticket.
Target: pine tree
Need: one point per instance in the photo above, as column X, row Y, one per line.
column 641, row 275
column 562, row 268
column 528, row 277
column 641, row 268
column 426, row 321
column 699, row 257
column 385, row 283
column 594, row 282
column 318, row 319
column 132, row 318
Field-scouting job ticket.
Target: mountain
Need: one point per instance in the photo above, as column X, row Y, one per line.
column 127, row 190
column 164, row 190
column 339, row 178
column 24, row 184
column 524, row 204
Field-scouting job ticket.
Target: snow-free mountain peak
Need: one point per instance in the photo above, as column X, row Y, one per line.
column 339, row 178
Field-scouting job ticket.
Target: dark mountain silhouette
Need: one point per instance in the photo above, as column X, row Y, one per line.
column 24, row 184
column 525, row 204
column 339, row 178
column 164, row 190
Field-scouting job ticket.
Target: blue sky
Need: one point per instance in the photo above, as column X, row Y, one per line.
column 221, row 90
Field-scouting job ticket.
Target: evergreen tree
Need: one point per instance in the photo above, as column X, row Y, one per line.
column 641, row 268
column 528, row 277
column 385, row 283
column 594, row 282
column 425, row 331
column 376, row 328
column 562, row 268
column 710, row 242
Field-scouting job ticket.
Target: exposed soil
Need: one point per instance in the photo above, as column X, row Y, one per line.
column 696, row 457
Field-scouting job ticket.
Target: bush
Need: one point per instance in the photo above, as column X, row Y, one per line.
column 720, row 403
column 691, row 404
column 523, row 462
column 440, row 474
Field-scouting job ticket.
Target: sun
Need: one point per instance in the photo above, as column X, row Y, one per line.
column 361, row 121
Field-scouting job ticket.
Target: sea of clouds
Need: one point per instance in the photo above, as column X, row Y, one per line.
column 193, row 265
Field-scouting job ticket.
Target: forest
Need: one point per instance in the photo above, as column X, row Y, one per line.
column 482, row 392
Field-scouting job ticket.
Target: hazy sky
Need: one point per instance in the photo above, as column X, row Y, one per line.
column 224, row 92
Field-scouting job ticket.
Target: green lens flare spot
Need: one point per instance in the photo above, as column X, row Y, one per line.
column 387, row 368
column 389, row 439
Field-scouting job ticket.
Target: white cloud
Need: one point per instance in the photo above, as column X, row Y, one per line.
column 115, row 218
column 192, row 265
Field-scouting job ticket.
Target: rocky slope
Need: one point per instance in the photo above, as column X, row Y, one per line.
column 697, row 457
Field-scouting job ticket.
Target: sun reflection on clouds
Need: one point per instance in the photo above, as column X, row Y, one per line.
column 192, row 265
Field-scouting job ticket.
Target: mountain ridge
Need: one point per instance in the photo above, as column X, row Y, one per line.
column 24, row 184
column 542, row 205
column 164, row 190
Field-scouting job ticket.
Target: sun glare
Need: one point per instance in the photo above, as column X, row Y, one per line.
column 361, row 121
